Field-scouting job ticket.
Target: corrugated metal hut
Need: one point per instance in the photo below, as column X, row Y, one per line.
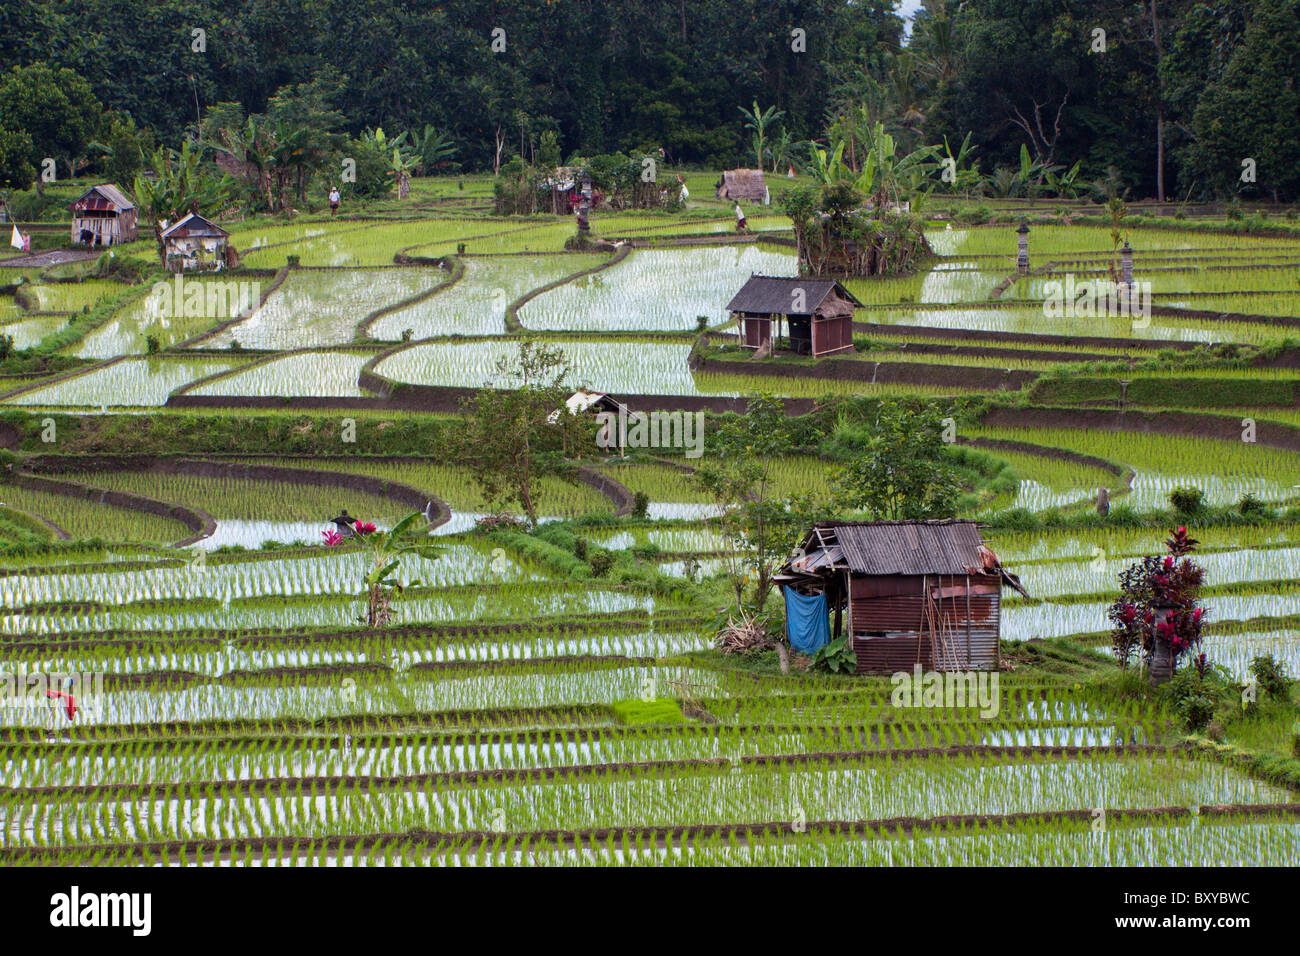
column 741, row 184
column 926, row 592
column 819, row 313
column 103, row 216
column 194, row 244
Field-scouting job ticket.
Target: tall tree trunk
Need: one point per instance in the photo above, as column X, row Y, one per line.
column 1160, row 106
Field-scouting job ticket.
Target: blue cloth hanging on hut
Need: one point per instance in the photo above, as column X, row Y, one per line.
column 806, row 621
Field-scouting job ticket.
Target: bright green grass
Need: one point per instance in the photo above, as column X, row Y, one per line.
column 74, row 296
column 242, row 498
column 1223, row 470
column 455, row 485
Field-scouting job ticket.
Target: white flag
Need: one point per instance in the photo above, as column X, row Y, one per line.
column 17, row 239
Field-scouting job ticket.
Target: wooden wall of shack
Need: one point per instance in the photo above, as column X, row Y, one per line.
column 887, row 619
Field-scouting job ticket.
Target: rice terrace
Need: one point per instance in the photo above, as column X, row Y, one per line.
column 396, row 484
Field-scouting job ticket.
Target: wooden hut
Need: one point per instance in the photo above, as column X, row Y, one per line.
column 103, row 216
column 194, row 245
column 913, row 592
column 818, row 313
column 742, row 184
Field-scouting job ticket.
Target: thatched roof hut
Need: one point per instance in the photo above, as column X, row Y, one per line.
column 742, row 184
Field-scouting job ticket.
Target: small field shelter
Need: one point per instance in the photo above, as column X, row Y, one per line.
column 194, row 245
column 818, row 313
column 907, row 592
column 103, row 216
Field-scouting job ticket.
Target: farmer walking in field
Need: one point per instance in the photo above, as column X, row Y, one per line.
column 334, row 200
column 741, row 224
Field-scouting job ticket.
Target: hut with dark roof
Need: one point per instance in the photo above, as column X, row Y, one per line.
column 913, row 592
column 818, row 313
column 103, row 216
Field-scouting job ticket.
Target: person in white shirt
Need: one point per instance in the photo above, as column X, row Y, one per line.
column 741, row 225
column 334, row 200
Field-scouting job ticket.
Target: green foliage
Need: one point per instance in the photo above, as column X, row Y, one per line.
column 1187, row 500
column 897, row 466
column 1271, row 676
column 658, row 711
column 518, row 432
column 761, row 526
column 601, row 562
column 836, row 657
column 641, row 502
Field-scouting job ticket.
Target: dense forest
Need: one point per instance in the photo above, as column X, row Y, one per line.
column 1162, row 98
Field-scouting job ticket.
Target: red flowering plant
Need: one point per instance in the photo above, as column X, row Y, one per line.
column 1158, row 613
column 332, row 538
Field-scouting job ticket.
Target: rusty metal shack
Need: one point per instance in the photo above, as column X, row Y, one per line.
column 908, row 592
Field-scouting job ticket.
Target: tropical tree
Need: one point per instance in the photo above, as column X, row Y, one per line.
column 517, row 428
column 898, row 466
column 760, row 121
column 385, row 557
column 181, row 184
column 761, row 525
column 433, row 148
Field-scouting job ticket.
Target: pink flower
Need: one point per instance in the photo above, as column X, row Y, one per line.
column 1196, row 615
column 1169, row 563
column 332, row 537
column 365, row 527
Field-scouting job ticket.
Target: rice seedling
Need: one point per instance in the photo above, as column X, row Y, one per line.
column 302, row 373
column 82, row 518
column 1162, row 463
column 633, row 295
column 130, row 383
column 164, row 319
column 29, row 332
column 476, row 304
column 316, row 307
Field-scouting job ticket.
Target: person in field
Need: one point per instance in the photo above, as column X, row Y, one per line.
column 334, row 200
column 741, row 224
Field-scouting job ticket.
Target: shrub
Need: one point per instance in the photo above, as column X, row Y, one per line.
column 1186, row 500
column 640, row 504
column 580, row 548
column 1271, row 676
column 600, row 563
column 151, row 344
column 6, row 346
column 701, row 323
column 1195, row 699
column 1249, row 506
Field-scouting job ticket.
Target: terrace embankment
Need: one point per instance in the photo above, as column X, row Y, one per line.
column 878, row 373
column 437, row 510
column 200, row 522
column 207, row 851
column 1189, row 424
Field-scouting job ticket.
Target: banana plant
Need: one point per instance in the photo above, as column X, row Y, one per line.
column 386, row 551
column 1064, row 185
column 964, row 174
